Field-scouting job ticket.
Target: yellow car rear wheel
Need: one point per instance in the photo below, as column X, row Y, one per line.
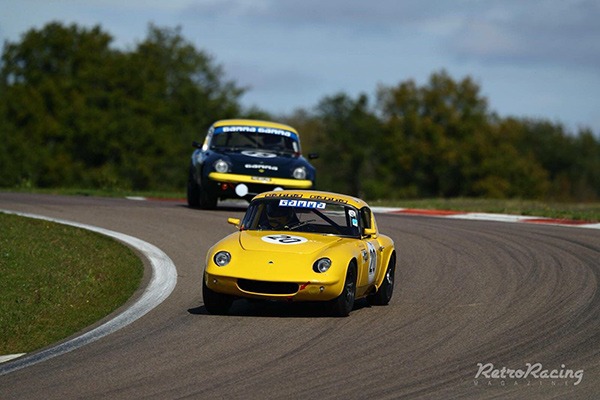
column 384, row 294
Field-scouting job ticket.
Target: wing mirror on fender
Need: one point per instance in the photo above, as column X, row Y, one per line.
column 234, row 221
column 313, row 156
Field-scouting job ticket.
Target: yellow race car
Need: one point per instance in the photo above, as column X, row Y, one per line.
column 301, row 245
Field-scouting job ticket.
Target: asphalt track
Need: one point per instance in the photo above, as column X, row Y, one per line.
column 516, row 302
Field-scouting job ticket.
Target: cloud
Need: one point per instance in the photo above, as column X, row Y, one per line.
column 348, row 15
column 543, row 32
column 563, row 33
column 291, row 53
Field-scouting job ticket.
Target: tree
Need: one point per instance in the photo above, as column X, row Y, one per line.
column 428, row 130
column 348, row 133
column 497, row 168
column 43, row 80
column 76, row 112
column 81, row 113
column 173, row 93
column 442, row 141
column 572, row 161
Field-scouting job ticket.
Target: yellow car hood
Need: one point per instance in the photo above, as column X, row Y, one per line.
column 277, row 256
column 286, row 242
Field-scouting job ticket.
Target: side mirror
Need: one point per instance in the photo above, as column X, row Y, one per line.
column 196, row 145
column 234, row 221
column 369, row 231
column 312, row 156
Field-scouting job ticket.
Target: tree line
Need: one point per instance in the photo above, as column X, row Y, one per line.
column 76, row 112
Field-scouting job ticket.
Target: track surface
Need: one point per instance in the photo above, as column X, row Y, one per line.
column 467, row 292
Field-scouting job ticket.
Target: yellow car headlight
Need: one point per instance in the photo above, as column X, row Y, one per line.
column 322, row 265
column 222, row 258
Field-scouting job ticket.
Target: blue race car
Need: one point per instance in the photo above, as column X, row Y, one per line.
column 241, row 158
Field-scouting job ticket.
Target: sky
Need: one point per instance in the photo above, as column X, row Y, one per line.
column 536, row 59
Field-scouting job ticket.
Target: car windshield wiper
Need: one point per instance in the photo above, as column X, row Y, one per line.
column 299, row 224
column 226, row 148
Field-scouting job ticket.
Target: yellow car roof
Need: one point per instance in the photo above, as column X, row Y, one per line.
column 314, row 195
column 254, row 122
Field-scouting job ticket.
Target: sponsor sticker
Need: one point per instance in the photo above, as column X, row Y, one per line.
column 284, row 195
column 302, row 204
column 255, row 129
column 353, row 219
column 273, row 131
column 328, row 198
column 226, row 129
column 262, row 166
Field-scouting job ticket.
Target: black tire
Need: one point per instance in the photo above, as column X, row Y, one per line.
column 215, row 303
column 193, row 191
column 198, row 195
column 207, row 199
column 344, row 303
column 383, row 295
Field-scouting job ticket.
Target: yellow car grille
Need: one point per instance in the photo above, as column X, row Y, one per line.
column 280, row 288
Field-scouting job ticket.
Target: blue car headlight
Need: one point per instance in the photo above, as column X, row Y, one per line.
column 221, row 166
column 299, row 173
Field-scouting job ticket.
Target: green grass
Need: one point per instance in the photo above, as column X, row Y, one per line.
column 570, row 211
column 99, row 192
column 56, row 280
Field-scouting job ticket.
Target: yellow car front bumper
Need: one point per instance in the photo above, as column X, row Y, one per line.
column 321, row 290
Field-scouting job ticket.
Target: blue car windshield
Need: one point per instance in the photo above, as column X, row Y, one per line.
column 288, row 214
column 255, row 140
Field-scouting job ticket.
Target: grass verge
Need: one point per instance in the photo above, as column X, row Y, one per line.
column 57, row 280
column 99, row 192
column 568, row 211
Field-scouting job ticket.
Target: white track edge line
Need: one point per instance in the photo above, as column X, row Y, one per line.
column 161, row 285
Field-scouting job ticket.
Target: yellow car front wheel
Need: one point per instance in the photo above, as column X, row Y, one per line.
column 214, row 302
column 344, row 303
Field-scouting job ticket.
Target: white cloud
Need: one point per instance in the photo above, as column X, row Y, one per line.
column 542, row 54
column 543, row 32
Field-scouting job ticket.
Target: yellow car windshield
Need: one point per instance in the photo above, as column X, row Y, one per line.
column 283, row 214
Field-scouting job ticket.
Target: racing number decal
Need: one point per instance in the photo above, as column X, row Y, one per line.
column 258, row 154
column 284, row 239
column 372, row 262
